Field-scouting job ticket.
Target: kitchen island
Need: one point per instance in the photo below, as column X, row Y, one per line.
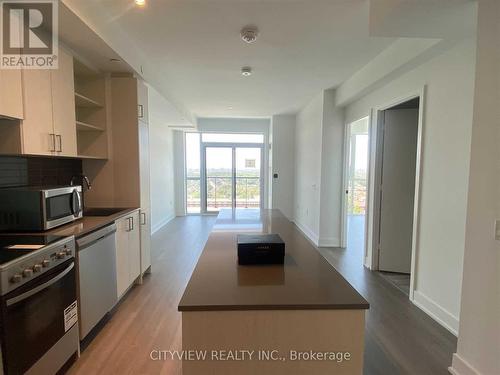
column 302, row 317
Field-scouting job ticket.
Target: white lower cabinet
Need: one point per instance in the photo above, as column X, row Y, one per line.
column 145, row 239
column 128, row 251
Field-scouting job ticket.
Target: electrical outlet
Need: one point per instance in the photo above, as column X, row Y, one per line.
column 497, row 230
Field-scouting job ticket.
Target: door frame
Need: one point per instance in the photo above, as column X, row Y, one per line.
column 345, row 182
column 233, row 147
column 375, row 175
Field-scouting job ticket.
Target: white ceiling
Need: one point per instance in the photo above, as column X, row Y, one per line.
column 304, row 46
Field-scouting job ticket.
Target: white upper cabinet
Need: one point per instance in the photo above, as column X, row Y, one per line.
column 63, row 105
column 38, row 135
column 11, row 90
column 11, row 93
column 49, row 124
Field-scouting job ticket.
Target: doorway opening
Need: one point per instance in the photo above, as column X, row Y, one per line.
column 398, row 158
column 224, row 171
column 356, row 182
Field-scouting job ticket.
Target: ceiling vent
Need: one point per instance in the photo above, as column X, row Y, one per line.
column 249, row 34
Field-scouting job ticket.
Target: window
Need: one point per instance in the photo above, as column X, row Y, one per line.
column 223, row 171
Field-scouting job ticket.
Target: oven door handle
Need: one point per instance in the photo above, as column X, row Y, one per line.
column 41, row 287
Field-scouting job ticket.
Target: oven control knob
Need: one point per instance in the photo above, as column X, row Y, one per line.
column 37, row 268
column 61, row 255
column 45, row 263
column 28, row 272
column 68, row 252
column 16, row 278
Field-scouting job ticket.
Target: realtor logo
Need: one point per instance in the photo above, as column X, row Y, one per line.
column 29, row 34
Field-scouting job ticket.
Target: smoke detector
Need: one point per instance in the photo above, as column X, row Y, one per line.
column 249, row 34
column 246, row 71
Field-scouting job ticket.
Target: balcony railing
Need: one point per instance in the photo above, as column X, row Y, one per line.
column 220, row 190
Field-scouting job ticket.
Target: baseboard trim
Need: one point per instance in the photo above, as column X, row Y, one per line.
column 436, row 312
column 460, row 366
column 329, row 242
column 161, row 224
column 313, row 237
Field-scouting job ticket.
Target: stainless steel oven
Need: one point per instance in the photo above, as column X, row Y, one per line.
column 39, row 208
column 38, row 303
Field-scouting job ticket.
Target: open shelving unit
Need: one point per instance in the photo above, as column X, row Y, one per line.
column 91, row 115
column 84, row 102
column 84, row 127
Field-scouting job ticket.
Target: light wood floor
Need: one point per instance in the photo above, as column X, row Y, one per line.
column 400, row 339
column 148, row 319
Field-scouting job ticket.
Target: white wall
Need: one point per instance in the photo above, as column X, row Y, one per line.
column 331, row 172
column 307, row 187
column 162, row 173
column 238, row 125
column 479, row 340
column 161, row 151
column 283, row 163
column 449, row 81
column 318, row 170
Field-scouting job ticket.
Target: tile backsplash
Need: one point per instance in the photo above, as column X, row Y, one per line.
column 35, row 171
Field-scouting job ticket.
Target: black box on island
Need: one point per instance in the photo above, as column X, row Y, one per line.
column 260, row 249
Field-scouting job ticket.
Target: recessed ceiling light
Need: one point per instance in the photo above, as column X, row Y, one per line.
column 246, row 71
column 113, row 60
column 140, row 3
column 249, row 34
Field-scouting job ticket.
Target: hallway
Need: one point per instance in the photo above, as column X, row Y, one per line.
column 397, row 333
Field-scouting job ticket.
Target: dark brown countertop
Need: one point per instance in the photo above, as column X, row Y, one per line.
column 89, row 224
column 306, row 281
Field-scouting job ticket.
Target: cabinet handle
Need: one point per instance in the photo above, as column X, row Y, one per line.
column 143, row 216
column 59, row 136
column 129, row 224
column 53, row 137
column 141, row 111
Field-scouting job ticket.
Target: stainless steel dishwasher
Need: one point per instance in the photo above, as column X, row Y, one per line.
column 96, row 260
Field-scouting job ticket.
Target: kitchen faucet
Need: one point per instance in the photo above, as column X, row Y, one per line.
column 84, row 179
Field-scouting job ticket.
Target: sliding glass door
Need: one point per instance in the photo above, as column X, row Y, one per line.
column 248, row 177
column 219, row 181
column 232, row 176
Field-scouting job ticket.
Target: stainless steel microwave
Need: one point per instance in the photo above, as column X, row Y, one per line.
column 39, row 208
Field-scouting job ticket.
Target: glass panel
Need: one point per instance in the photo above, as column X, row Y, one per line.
column 219, row 163
column 248, row 165
column 193, row 154
column 358, row 168
column 232, row 138
column 193, row 195
column 58, row 206
column 193, row 189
